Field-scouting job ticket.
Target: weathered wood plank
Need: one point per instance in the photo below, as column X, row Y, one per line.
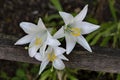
column 102, row 59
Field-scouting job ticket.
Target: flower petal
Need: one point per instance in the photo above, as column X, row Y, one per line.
column 59, row 50
column 42, row 49
column 29, row 28
column 66, row 17
column 58, row 64
column 81, row 40
column 88, row 27
column 41, row 24
column 43, row 65
column 51, row 41
column 82, row 14
column 59, row 33
column 63, row 57
column 38, row 56
column 33, row 50
column 70, row 43
column 24, row 40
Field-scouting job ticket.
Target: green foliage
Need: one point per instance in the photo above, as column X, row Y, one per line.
column 112, row 9
column 20, row 75
column 108, row 32
column 47, row 74
column 56, row 4
column 70, row 74
column 66, row 74
column 52, row 20
column 4, row 75
column 118, row 77
column 91, row 20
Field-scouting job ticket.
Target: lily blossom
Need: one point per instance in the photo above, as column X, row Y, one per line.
column 37, row 36
column 54, row 55
column 74, row 28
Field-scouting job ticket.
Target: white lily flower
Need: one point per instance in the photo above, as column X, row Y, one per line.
column 74, row 28
column 54, row 55
column 37, row 36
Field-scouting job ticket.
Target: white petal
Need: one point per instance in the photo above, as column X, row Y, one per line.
column 82, row 14
column 24, row 40
column 33, row 50
column 43, row 65
column 42, row 49
column 70, row 43
column 63, row 57
column 88, row 27
column 41, row 24
column 59, row 33
column 58, row 64
column 81, row 40
column 59, row 50
column 38, row 56
column 51, row 41
column 49, row 50
column 29, row 28
column 68, row 18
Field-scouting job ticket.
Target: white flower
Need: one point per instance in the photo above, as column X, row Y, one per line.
column 74, row 28
column 54, row 55
column 37, row 36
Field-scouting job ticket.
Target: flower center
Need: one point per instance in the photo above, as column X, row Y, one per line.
column 75, row 31
column 51, row 57
column 38, row 41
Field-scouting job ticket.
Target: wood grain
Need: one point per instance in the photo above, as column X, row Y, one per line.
column 102, row 59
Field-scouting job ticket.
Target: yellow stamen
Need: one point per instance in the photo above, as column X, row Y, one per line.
column 75, row 31
column 51, row 57
column 26, row 47
column 38, row 41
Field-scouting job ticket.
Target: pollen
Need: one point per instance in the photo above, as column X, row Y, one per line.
column 38, row 41
column 75, row 31
column 51, row 57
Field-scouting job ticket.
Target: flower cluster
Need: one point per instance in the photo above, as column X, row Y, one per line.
column 45, row 48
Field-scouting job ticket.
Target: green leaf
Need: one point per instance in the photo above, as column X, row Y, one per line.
column 15, row 78
column 105, row 41
column 96, row 39
column 118, row 77
column 114, row 41
column 20, row 73
column 91, row 36
column 57, row 4
column 45, row 75
column 112, row 9
column 4, row 75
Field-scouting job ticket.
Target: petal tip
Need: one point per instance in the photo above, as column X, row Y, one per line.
column 67, row 52
column 31, row 53
column 86, row 5
column 40, row 20
column 18, row 43
column 15, row 43
column 60, row 12
column 89, row 49
column 98, row 26
column 22, row 24
column 67, row 59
